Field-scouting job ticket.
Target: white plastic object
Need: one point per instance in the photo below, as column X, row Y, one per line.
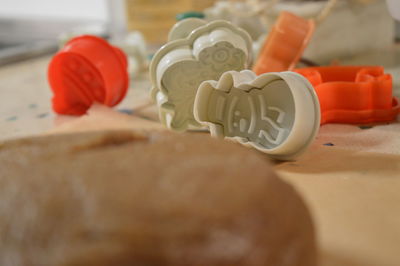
column 394, row 8
column 117, row 19
column 135, row 47
column 239, row 13
column 183, row 29
column 181, row 65
column 276, row 113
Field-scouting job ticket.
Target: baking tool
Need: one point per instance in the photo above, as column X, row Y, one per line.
column 285, row 44
column 353, row 94
column 87, row 70
column 394, row 8
column 182, row 30
column 189, row 14
column 178, row 68
column 276, row 113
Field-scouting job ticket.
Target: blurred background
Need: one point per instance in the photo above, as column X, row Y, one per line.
column 31, row 28
column 55, row 9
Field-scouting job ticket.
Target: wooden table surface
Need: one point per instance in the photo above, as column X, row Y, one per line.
column 352, row 187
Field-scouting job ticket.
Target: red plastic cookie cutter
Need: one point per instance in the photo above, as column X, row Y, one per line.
column 353, row 94
column 87, row 70
column 285, row 44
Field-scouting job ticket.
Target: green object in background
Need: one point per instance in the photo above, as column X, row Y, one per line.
column 189, row 14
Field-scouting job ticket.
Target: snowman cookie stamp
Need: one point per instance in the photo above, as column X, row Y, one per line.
column 276, row 113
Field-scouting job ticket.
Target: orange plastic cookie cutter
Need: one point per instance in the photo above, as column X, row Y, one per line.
column 285, row 44
column 86, row 70
column 353, row 94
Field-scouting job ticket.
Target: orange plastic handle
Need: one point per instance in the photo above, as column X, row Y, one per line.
column 353, row 94
column 285, row 44
column 86, row 70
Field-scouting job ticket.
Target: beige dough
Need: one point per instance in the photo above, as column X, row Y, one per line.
column 151, row 199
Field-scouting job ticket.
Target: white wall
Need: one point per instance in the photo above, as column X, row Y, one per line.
column 63, row 9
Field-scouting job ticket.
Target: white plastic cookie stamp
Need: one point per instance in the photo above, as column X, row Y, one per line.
column 277, row 113
column 197, row 52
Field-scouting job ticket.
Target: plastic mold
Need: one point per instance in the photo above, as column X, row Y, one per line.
column 277, row 113
column 87, row 70
column 179, row 67
column 353, row 94
column 285, row 44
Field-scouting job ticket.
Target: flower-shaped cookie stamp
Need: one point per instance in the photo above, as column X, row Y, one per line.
column 181, row 65
column 276, row 113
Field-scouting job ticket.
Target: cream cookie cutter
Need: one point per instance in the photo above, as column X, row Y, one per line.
column 198, row 51
column 276, row 113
